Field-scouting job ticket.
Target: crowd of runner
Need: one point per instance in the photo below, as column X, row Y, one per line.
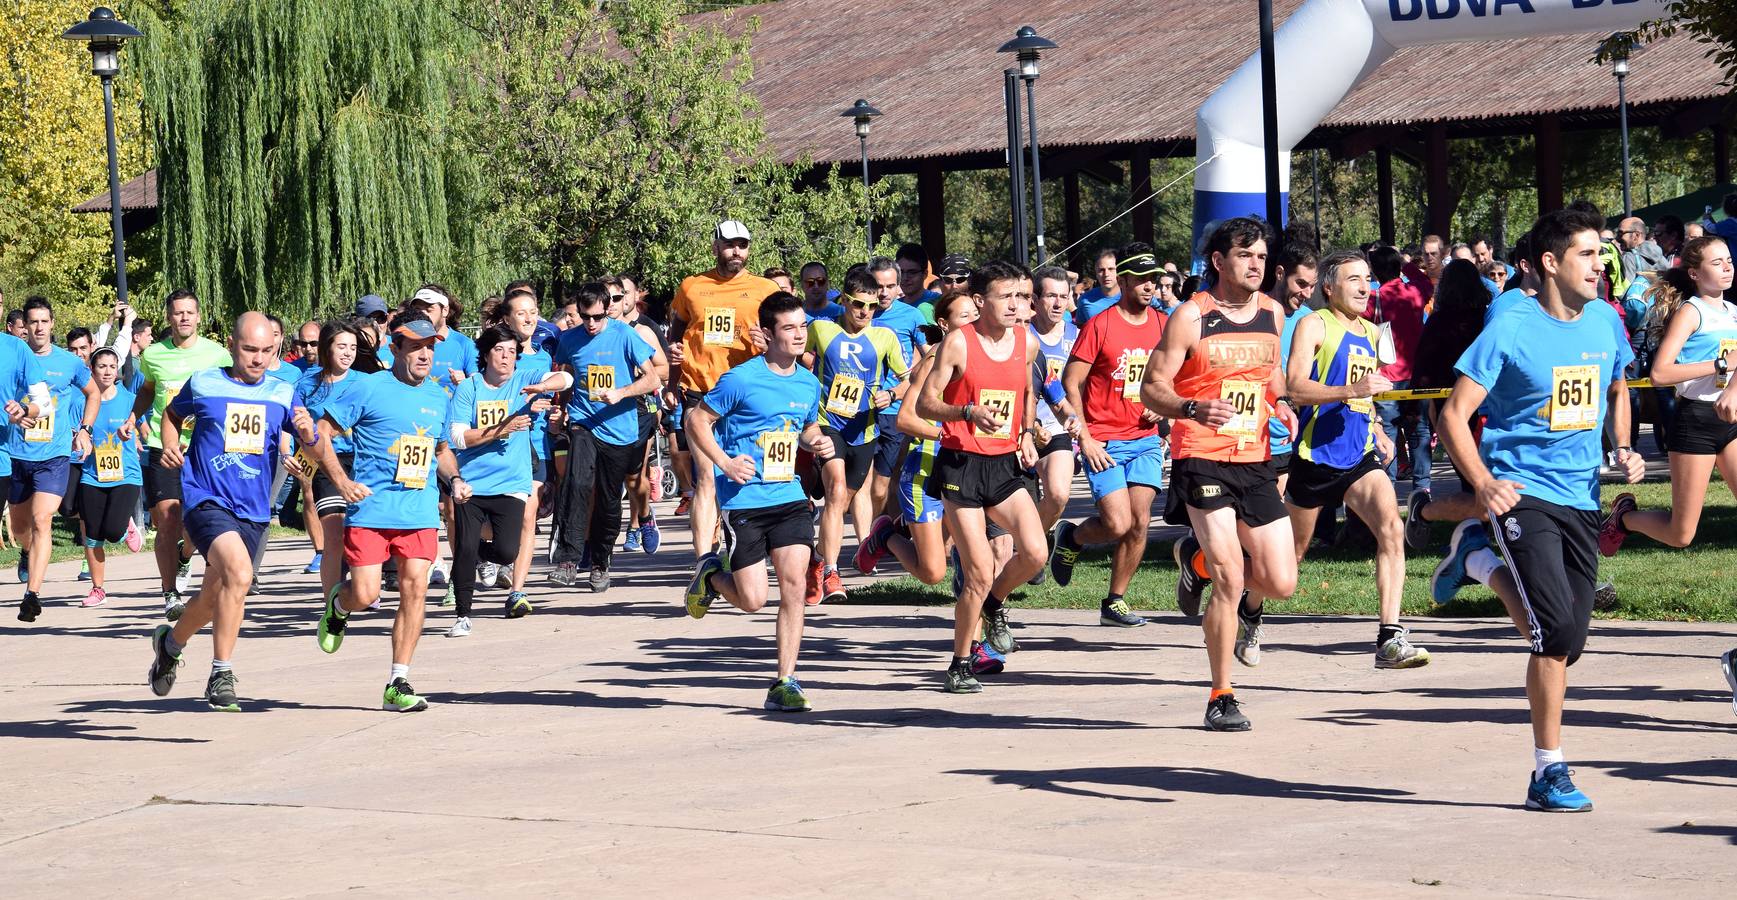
column 943, row 407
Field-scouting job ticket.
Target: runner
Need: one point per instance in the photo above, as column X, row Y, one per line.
column 42, row 449
column 489, row 423
column 165, row 366
column 617, row 366
column 817, row 295
column 642, row 533
column 1052, row 325
column 1340, row 450
column 343, row 355
column 1119, row 439
column 1100, row 298
column 110, row 480
column 237, row 414
column 748, row 426
column 455, row 359
column 1216, row 374
column 396, row 420
column 518, row 313
column 27, row 393
column 1696, row 354
column 906, row 322
column 720, row 305
column 1547, row 375
column 980, row 390
column 852, row 358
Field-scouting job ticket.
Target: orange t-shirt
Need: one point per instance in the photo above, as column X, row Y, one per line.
column 1233, row 361
column 718, row 314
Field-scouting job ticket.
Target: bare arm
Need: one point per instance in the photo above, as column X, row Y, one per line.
column 1666, row 370
column 1456, row 435
column 911, row 422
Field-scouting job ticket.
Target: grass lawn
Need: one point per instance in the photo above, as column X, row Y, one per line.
column 1652, row 581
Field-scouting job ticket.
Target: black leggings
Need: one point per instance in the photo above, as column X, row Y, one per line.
column 106, row 511
column 505, row 516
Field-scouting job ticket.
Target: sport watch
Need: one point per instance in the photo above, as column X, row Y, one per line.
column 1189, row 408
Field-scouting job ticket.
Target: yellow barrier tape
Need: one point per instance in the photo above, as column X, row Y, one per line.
column 1442, row 393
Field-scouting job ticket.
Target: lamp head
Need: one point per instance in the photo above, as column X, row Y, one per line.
column 864, row 114
column 104, row 32
column 1028, row 47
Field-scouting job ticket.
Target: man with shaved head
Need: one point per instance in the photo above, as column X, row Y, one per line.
column 226, row 486
column 1640, row 253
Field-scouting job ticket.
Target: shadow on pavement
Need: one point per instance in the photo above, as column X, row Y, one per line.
column 1728, row 832
column 80, row 729
column 1518, row 715
column 1706, row 772
column 1098, row 782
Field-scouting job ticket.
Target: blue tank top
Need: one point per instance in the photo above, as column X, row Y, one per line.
column 1339, row 434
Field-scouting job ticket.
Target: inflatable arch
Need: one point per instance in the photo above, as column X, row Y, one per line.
column 1325, row 49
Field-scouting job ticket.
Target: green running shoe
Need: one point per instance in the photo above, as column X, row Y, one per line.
column 163, row 666
column 220, row 691
column 401, row 697
column 996, row 633
column 960, row 680
column 333, row 621
column 518, row 605
column 786, row 696
column 699, row 594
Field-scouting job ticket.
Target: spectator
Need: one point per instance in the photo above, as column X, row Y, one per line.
column 1693, row 230
column 1104, row 293
column 1670, row 233
column 1399, row 310
column 1727, row 227
column 1429, row 257
column 1639, row 254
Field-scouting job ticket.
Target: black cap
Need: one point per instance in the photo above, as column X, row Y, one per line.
column 954, row 264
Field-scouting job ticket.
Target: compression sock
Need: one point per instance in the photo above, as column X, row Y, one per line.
column 1251, row 616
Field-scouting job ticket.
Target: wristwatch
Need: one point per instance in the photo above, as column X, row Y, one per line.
column 1189, row 408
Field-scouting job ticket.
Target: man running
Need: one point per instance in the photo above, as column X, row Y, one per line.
column 817, row 294
column 165, row 366
column 1547, row 376
column 1216, row 373
column 749, row 427
column 1052, row 325
column 237, row 413
column 906, row 322
column 642, row 533
column 1119, row 439
column 27, row 396
column 396, row 420
column 1105, row 293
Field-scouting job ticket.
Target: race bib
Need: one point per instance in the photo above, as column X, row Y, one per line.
column 1574, row 398
column 305, row 458
column 1726, row 345
column 109, row 468
column 845, row 398
column 1001, row 404
column 415, row 453
column 1359, row 366
column 720, row 326
column 490, row 413
column 244, row 428
column 43, row 431
column 1134, row 372
column 778, row 462
column 1246, row 397
column 599, row 379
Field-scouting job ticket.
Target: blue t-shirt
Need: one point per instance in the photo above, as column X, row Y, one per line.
column 611, row 359
column 1505, row 301
column 64, row 374
column 905, row 322
column 757, row 408
column 305, row 363
column 285, row 372
column 318, row 396
column 394, row 426
column 1547, row 381
column 107, row 443
column 537, row 364
column 830, row 312
column 74, row 416
column 500, row 466
column 233, row 451
column 1093, row 302
column 19, row 369
column 456, row 352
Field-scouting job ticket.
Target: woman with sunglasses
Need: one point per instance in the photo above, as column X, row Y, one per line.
column 345, row 347
column 110, row 479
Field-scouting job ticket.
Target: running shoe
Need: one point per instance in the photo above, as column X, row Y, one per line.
column 1248, row 638
column 700, row 594
column 1063, row 555
column 96, row 597
column 960, row 680
column 173, row 605
column 1728, row 662
column 985, row 660
column 870, row 551
column 631, row 543
column 135, row 538
column 1223, row 713
column 437, row 576
column 84, row 570
column 1398, row 652
column 997, row 633
column 460, row 628
column 786, row 696
column 1119, row 615
column 831, row 586
column 650, row 536
column 1416, row 526
column 684, row 505
column 183, row 572
column 599, row 580
column 163, row 665
column 1555, row 792
column 816, row 576
column 486, row 573
column 333, row 621
column 1451, row 575
column 401, row 697
column 518, row 605
column 220, row 691
column 1611, row 533
column 1604, row 597
column 29, row 608
column 504, row 577
column 1190, row 587
column 565, row 574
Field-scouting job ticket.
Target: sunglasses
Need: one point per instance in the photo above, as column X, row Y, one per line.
column 587, row 317
column 862, row 304
column 814, row 282
column 955, row 279
column 616, row 298
column 313, row 343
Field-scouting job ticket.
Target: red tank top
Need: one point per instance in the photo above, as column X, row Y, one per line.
column 1235, row 361
column 997, row 384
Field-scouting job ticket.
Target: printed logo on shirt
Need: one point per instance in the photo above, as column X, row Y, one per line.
column 1237, row 354
column 1585, row 355
column 227, row 461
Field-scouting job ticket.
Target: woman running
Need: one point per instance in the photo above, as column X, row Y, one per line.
column 345, row 350
column 110, row 479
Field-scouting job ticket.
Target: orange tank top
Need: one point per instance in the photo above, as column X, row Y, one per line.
column 997, row 384
column 1234, row 361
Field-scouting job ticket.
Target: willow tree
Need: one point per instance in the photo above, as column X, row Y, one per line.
column 304, row 152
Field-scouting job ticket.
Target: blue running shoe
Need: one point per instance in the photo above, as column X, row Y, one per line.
column 1555, row 792
column 632, row 542
column 1451, row 575
column 313, row 566
column 650, row 536
column 23, row 570
column 986, row 660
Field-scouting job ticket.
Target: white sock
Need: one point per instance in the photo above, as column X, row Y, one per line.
column 1543, row 759
column 1481, row 565
column 220, row 665
column 399, row 670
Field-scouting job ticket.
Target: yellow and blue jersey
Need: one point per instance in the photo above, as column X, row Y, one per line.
column 1339, row 434
column 851, row 367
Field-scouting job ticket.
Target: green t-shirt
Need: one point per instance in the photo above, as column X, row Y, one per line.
column 168, row 367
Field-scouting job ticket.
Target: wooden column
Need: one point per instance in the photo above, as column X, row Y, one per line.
column 932, row 209
column 1441, row 211
column 1384, row 187
column 1549, row 163
column 1140, row 185
column 1071, row 221
column 1721, row 153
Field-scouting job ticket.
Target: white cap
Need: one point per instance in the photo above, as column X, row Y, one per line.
column 731, row 230
column 431, row 296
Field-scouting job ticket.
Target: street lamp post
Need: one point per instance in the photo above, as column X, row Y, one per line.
column 104, row 33
column 1015, row 167
column 864, row 114
column 1620, row 47
column 1029, row 47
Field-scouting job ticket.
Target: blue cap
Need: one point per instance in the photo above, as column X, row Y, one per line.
column 370, row 304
